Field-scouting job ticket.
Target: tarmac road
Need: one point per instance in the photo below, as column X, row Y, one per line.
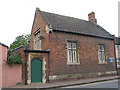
column 105, row 84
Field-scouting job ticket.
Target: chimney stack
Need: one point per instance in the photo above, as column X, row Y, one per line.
column 91, row 17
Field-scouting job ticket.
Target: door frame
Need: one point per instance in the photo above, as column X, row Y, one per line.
column 41, row 57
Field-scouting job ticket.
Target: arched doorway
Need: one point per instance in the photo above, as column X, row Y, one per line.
column 36, row 71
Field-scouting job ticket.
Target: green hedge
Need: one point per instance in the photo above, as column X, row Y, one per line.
column 14, row 59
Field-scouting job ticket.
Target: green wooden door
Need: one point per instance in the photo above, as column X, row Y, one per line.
column 36, row 70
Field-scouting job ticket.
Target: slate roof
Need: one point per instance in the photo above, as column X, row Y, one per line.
column 74, row 25
column 18, row 48
column 25, row 47
column 117, row 40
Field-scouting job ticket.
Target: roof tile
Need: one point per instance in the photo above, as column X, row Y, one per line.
column 70, row 24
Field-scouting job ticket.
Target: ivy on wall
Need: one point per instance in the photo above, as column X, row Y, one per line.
column 13, row 59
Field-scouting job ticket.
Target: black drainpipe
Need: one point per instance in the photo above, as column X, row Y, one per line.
column 48, row 68
column 26, row 67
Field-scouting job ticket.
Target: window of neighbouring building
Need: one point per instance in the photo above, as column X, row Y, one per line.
column 72, row 52
column 37, row 40
column 101, row 53
column 116, row 48
column 117, row 51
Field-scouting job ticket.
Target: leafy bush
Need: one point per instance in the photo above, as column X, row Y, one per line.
column 20, row 41
column 14, row 59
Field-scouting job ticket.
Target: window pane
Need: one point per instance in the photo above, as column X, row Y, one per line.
column 116, row 48
column 75, row 56
column 39, row 44
column 74, row 45
column 69, row 45
column 34, row 45
column 102, row 47
column 69, row 56
column 118, row 62
column 37, row 41
column 103, row 57
column 34, row 38
column 100, row 58
column 38, row 36
column 99, row 48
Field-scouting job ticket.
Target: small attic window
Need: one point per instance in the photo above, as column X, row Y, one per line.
column 37, row 40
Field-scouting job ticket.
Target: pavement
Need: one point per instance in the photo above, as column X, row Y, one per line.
column 68, row 83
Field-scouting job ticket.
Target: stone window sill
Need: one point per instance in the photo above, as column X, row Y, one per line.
column 102, row 63
column 73, row 63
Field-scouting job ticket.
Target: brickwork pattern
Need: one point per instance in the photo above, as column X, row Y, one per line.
column 88, row 54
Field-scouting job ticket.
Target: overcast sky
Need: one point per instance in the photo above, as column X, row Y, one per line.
column 16, row 16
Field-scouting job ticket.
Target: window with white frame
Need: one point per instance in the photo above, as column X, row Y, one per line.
column 72, row 52
column 117, row 50
column 37, row 40
column 101, row 53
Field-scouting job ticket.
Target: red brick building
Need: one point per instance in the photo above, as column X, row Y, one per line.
column 65, row 48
